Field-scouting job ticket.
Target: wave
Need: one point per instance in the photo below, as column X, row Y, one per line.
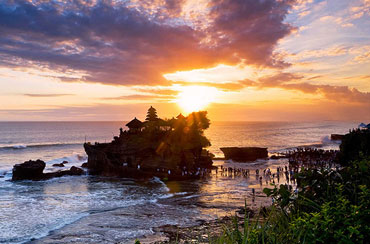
column 325, row 142
column 22, row 146
column 72, row 159
column 157, row 180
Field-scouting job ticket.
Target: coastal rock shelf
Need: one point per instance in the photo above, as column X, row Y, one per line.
column 244, row 154
column 170, row 149
column 33, row 170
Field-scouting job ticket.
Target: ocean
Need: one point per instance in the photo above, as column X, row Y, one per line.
column 92, row 209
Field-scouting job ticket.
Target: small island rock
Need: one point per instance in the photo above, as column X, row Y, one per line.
column 244, row 154
column 75, row 171
column 29, row 170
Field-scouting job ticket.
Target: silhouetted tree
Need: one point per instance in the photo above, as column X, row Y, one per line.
column 355, row 145
column 151, row 114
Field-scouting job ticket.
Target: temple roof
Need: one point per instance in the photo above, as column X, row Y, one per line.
column 180, row 116
column 135, row 123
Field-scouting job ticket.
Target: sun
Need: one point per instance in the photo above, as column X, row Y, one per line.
column 195, row 98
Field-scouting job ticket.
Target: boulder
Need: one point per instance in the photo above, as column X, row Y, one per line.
column 29, row 170
column 58, row 165
column 244, row 154
column 33, row 170
column 75, row 171
column 84, row 165
column 65, row 162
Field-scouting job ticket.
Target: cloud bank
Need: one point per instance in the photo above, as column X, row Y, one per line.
column 136, row 42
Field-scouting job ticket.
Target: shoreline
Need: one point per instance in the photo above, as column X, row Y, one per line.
column 200, row 232
column 202, row 206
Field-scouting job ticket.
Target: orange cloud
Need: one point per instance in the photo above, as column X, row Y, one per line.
column 152, row 39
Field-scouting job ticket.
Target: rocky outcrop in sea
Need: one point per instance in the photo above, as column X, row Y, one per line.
column 169, row 149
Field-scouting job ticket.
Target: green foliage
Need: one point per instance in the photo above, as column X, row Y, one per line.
column 331, row 206
column 174, row 141
column 338, row 221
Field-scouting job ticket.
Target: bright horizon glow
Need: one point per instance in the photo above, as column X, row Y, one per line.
column 310, row 62
column 195, row 98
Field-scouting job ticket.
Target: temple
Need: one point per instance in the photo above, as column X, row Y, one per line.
column 166, row 148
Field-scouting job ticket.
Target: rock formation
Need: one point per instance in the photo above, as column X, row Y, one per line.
column 244, row 154
column 172, row 149
column 33, row 170
column 29, row 170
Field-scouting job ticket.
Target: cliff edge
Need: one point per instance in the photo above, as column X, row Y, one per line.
column 171, row 149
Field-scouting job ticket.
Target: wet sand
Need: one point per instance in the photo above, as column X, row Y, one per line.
column 194, row 209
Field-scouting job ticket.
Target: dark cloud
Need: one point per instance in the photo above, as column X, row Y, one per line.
column 140, row 97
column 46, row 95
column 278, row 78
column 250, row 29
column 334, row 93
column 289, row 81
column 158, row 91
column 113, row 42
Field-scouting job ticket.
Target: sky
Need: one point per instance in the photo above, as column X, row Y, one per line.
column 241, row 60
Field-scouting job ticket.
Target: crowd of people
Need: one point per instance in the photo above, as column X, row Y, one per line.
column 312, row 158
column 262, row 175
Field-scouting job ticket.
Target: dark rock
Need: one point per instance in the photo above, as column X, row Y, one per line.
column 168, row 149
column 29, row 170
column 65, row 162
column 243, row 154
column 58, row 165
column 278, row 156
column 33, row 170
column 84, row 165
column 51, row 175
column 76, row 171
column 336, row 137
column 72, row 171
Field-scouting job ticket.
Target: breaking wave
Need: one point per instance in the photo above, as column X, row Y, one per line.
column 21, row 146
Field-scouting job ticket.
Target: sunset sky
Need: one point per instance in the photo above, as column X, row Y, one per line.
column 237, row 59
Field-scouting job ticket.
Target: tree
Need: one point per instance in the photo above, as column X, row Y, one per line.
column 151, row 114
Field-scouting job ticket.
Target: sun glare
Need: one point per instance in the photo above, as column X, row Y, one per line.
column 195, row 98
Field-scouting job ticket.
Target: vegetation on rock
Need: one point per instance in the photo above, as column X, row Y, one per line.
column 173, row 146
column 328, row 206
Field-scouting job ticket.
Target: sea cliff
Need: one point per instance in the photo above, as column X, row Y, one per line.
column 172, row 149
